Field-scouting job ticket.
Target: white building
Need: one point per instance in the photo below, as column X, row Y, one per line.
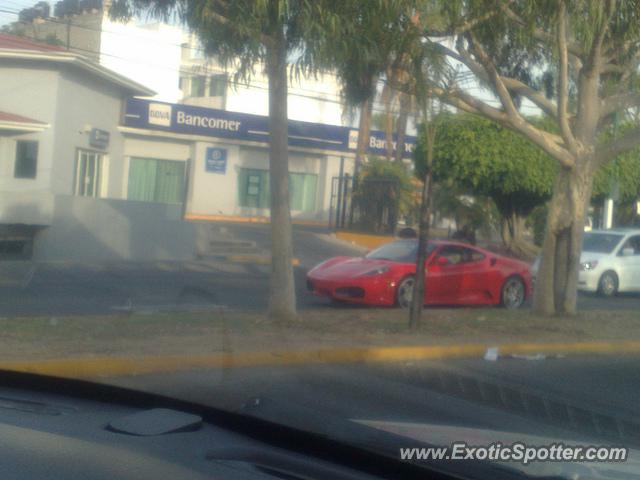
column 168, row 60
column 90, row 172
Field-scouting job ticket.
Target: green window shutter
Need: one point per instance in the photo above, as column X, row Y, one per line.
column 169, row 186
column 265, row 197
column 302, row 191
column 309, row 198
column 242, row 187
column 142, row 179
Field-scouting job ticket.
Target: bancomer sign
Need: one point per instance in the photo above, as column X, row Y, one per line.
column 192, row 120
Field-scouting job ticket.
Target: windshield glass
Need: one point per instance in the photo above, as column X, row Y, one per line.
column 600, row 242
column 400, row 251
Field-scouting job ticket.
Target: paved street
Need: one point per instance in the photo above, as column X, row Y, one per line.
column 67, row 288
column 578, row 397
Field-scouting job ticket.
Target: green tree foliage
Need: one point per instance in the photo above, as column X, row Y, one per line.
column 487, row 159
column 577, row 61
column 482, row 158
column 384, row 191
column 623, row 175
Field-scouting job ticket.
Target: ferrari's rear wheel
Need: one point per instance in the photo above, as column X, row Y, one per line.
column 513, row 293
column 405, row 292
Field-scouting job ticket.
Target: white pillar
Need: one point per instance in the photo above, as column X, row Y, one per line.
column 607, row 214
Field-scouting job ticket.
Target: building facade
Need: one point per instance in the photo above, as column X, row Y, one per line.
column 89, row 167
column 62, row 170
column 224, row 160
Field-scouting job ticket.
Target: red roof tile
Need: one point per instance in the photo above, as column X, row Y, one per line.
column 12, row 117
column 19, row 43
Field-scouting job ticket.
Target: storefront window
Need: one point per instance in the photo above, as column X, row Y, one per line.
column 254, row 188
column 302, row 191
column 255, row 192
column 88, row 173
column 26, row 159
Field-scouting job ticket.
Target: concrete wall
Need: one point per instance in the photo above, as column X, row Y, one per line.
column 89, row 229
column 71, row 102
column 217, row 194
column 29, row 208
column 81, row 31
column 213, row 193
column 29, row 90
column 85, row 102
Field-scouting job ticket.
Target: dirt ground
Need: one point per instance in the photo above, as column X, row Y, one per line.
column 201, row 333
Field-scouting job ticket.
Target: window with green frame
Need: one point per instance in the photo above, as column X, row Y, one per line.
column 254, row 189
column 153, row 180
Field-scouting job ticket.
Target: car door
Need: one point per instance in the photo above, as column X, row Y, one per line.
column 630, row 264
column 456, row 275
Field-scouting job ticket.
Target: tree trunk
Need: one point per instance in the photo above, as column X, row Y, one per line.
column 282, row 298
column 512, row 232
column 364, row 129
column 401, row 127
column 557, row 279
column 417, row 299
column 387, row 98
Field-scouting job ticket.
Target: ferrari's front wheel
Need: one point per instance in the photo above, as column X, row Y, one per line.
column 404, row 293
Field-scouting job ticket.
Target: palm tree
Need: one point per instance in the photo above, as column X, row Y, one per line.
column 253, row 33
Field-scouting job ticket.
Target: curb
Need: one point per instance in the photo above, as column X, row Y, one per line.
column 257, row 259
column 364, row 240
column 130, row 366
column 253, row 219
column 248, row 259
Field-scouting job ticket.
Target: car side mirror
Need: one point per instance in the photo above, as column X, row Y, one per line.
column 628, row 251
column 442, row 261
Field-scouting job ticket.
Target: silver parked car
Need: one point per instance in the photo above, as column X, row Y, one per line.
column 610, row 261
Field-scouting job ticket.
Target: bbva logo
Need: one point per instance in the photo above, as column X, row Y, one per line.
column 160, row 114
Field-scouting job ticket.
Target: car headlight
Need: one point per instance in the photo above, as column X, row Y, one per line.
column 374, row 272
column 586, row 266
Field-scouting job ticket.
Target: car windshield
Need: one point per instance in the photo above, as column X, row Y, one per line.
column 221, row 201
column 400, row 251
column 600, row 242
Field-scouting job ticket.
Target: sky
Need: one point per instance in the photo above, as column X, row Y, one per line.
column 15, row 6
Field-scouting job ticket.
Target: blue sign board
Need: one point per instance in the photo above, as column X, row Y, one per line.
column 188, row 119
column 216, row 160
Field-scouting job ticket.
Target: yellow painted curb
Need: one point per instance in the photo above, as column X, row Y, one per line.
column 117, row 366
column 365, row 240
column 258, row 259
column 250, row 219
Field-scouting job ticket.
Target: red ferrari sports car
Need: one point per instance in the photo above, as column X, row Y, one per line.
column 456, row 274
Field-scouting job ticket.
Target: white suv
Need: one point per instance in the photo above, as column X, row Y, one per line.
column 610, row 261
